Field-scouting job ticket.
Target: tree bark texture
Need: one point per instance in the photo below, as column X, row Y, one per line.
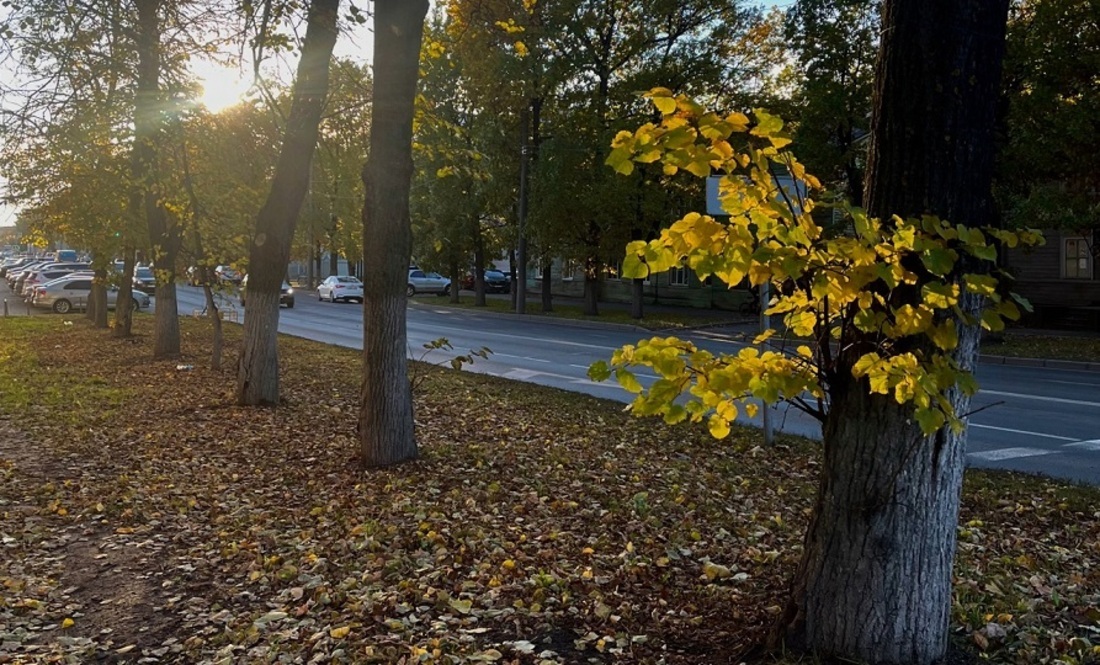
column 257, row 373
column 124, row 315
column 97, row 310
column 547, row 287
column 386, row 412
column 874, row 584
column 215, row 315
column 164, row 237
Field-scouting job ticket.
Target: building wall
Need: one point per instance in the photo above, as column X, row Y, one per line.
column 568, row 281
column 1059, row 301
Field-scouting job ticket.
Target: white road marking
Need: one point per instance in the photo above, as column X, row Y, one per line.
column 1073, row 383
column 1010, row 453
column 1024, row 431
column 1059, row 400
column 1093, row 445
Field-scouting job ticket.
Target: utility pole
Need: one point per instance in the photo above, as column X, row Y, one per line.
column 521, row 213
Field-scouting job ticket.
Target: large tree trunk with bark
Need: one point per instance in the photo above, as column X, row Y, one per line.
column 258, row 365
column 386, row 411
column 874, row 584
column 165, row 237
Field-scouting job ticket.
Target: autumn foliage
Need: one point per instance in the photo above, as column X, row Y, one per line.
column 878, row 300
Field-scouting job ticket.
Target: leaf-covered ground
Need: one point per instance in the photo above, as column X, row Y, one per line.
column 143, row 518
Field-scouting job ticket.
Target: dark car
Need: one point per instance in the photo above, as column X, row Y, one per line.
column 495, row 282
column 286, row 293
column 144, row 280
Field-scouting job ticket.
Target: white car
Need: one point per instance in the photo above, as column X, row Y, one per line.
column 73, row 291
column 340, row 287
column 427, row 282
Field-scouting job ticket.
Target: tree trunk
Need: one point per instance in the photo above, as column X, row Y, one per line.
column 98, row 308
column 456, row 278
column 215, row 315
column 386, row 410
column 258, row 365
column 165, row 237
column 124, row 316
column 637, row 292
column 547, row 287
column 479, row 268
column 591, row 287
column 874, row 584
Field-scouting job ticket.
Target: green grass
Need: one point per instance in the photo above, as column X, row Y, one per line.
column 651, row 321
column 1054, row 347
column 30, row 387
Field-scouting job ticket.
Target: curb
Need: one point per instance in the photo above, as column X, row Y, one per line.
column 1078, row 365
column 547, row 320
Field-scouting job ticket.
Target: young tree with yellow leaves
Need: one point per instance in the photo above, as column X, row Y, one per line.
column 889, row 313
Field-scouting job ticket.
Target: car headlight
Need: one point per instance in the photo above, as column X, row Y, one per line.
column 290, row 292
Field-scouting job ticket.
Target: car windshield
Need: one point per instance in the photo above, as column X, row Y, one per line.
column 348, row 280
column 143, row 273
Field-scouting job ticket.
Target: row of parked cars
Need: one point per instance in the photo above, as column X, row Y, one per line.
column 344, row 288
column 61, row 285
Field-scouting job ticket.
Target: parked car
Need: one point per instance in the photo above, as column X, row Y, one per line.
column 19, row 284
column 14, row 263
column 286, row 293
column 427, row 282
column 228, row 274
column 144, row 280
column 14, row 274
column 340, row 287
column 72, row 292
column 41, row 277
column 495, row 282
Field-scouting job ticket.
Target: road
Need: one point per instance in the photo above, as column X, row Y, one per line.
column 1036, row 420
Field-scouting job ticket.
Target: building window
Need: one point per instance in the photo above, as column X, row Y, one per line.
column 1077, row 260
column 678, row 276
column 569, row 270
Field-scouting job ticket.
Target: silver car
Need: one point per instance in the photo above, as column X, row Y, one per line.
column 73, row 291
column 427, row 282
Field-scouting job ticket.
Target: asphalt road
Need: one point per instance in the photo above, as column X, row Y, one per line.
column 1036, row 420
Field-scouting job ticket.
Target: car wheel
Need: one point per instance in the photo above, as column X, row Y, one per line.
column 62, row 306
column 242, row 302
column 137, row 305
column 359, row 300
column 290, row 304
column 332, row 297
column 410, row 291
column 446, row 291
column 319, row 295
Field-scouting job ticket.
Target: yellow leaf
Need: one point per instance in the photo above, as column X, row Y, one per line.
column 339, row 633
column 68, row 623
column 666, row 105
column 718, row 426
column 461, row 606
